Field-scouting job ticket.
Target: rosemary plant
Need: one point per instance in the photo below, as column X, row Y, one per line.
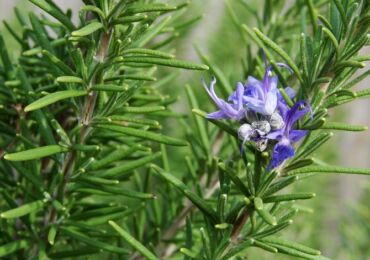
column 91, row 165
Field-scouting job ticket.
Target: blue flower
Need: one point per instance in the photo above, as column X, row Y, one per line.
column 233, row 110
column 286, row 136
column 260, row 96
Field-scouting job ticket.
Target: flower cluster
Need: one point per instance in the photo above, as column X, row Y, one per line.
column 264, row 116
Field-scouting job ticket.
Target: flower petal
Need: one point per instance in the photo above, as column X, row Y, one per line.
column 271, row 102
column 255, row 104
column 217, row 115
column 282, row 151
column 275, row 135
column 254, row 88
column 290, row 92
column 296, row 135
column 299, row 110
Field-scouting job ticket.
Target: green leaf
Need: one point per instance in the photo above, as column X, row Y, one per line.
column 42, row 121
column 332, row 39
column 188, row 253
column 51, row 234
column 365, row 93
column 297, row 164
column 342, row 13
column 131, row 77
column 273, row 229
column 217, row 72
column 330, row 169
column 40, row 33
column 57, row 62
column 155, row 53
column 165, row 62
column 280, row 52
column 98, row 212
column 36, row 153
column 199, row 123
column 76, row 252
column 141, row 110
column 109, row 189
column 98, row 180
column 129, row 19
column 291, row 244
column 92, row 8
column 120, row 170
column 357, row 80
column 263, row 213
column 281, row 184
column 313, row 15
column 92, row 242
column 296, row 253
column 85, row 147
column 264, row 246
column 222, row 125
column 69, row 79
column 141, row 121
column 87, row 29
column 325, row 21
column 349, row 64
column 199, row 202
column 8, row 66
column 144, row 134
column 313, row 145
column 237, row 249
column 37, row 50
column 344, row 127
column 143, row 8
column 54, row 97
column 12, row 247
column 102, row 216
column 23, row 210
column 56, row 13
column 110, row 87
column 235, row 179
column 132, row 241
column 288, row 197
column 115, row 156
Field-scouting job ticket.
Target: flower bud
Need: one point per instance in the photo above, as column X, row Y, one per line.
column 262, row 127
column 261, row 144
column 276, row 121
column 245, row 131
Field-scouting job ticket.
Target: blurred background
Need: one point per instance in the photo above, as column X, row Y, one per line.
column 340, row 227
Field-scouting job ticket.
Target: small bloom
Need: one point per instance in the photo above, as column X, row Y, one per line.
column 234, row 110
column 276, row 121
column 260, row 96
column 255, row 132
column 286, row 136
column 261, row 127
column 245, row 132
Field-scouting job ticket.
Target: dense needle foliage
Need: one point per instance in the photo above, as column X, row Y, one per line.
column 95, row 162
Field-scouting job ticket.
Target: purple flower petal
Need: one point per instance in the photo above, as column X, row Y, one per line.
column 271, row 102
column 299, row 110
column 296, row 135
column 290, row 92
column 217, row 115
column 275, row 135
column 282, row 151
column 254, row 86
column 226, row 110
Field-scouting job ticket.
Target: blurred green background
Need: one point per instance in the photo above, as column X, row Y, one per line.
column 340, row 223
